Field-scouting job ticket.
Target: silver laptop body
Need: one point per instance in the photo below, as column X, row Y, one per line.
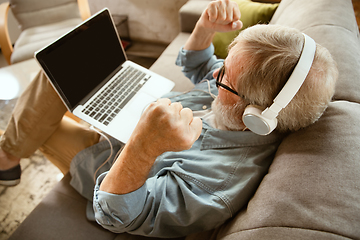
column 89, row 70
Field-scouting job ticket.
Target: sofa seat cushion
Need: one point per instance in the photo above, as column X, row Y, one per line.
column 313, row 180
column 332, row 25
column 35, row 38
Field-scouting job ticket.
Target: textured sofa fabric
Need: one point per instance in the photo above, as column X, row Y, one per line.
column 333, row 25
column 60, row 215
column 312, row 189
column 33, row 13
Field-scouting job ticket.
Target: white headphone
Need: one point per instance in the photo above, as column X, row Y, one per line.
column 263, row 122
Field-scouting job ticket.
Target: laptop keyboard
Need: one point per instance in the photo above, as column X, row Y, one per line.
column 114, row 97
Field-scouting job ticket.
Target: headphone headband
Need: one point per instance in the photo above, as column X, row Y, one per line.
column 296, row 79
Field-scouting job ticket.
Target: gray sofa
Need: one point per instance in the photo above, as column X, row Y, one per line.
column 312, row 189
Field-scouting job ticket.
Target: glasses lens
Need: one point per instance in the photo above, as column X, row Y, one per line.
column 219, row 83
column 219, row 77
column 221, row 73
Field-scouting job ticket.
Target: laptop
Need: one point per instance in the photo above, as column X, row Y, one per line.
column 89, row 70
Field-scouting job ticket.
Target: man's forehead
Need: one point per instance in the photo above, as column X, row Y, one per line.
column 230, row 71
column 233, row 62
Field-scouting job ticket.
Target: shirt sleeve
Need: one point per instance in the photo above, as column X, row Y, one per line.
column 197, row 65
column 165, row 206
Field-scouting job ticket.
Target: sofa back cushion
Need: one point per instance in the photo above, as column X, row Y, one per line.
column 312, row 190
column 31, row 13
column 332, row 24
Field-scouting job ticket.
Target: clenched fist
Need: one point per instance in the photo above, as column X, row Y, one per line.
column 221, row 16
column 166, row 126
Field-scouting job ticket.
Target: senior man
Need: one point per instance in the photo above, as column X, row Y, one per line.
column 191, row 163
column 154, row 188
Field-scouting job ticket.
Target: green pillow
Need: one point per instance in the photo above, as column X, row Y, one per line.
column 251, row 13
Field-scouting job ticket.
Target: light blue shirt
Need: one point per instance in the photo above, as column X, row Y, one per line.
column 188, row 191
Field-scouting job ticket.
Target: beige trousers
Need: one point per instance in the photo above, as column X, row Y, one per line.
column 38, row 122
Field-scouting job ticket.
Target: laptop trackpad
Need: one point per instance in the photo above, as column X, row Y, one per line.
column 139, row 103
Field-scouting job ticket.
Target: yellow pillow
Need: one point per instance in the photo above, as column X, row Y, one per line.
column 251, row 13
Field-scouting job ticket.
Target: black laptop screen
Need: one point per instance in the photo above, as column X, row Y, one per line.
column 79, row 62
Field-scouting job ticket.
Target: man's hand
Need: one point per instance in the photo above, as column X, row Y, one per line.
column 219, row 16
column 164, row 126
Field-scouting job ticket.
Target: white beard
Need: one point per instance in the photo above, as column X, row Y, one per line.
column 228, row 117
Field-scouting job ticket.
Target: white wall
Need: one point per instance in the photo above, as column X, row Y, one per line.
column 149, row 20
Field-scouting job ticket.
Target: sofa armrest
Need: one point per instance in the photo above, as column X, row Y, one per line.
column 189, row 13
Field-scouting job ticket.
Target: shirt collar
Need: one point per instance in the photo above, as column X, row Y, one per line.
column 216, row 138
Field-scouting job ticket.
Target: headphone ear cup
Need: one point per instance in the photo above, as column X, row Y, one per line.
column 256, row 122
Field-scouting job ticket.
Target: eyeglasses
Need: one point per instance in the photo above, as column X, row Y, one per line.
column 219, row 79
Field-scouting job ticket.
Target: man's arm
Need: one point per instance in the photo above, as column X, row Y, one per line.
column 219, row 16
column 164, row 126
